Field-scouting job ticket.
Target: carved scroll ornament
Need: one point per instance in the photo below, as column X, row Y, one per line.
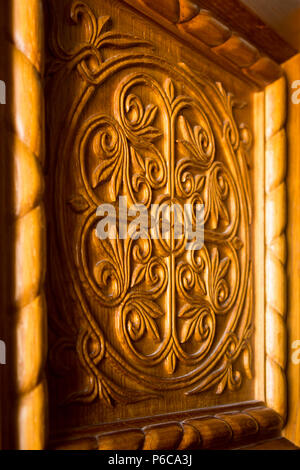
column 149, row 311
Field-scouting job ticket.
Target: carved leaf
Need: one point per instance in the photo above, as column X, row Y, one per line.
column 109, row 170
column 218, row 189
column 116, row 181
column 150, row 114
column 138, row 275
column 222, row 384
column 149, row 133
column 218, row 209
column 140, row 120
column 78, row 203
column 188, row 330
column 215, row 260
column 201, row 285
column 210, row 381
column 152, row 308
column 152, row 327
column 188, row 136
column 194, row 324
column 171, row 363
column 114, row 250
column 146, row 312
column 199, row 182
column 219, row 268
column 223, row 267
column 137, row 159
column 188, row 312
column 199, row 141
column 101, row 22
column 121, row 41
column 169, row 87
column 102, row 172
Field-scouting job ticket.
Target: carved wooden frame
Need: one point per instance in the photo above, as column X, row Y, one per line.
column 31, row 400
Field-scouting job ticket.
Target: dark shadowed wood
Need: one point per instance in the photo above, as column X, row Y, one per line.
column 240, row 18
column 274, row 444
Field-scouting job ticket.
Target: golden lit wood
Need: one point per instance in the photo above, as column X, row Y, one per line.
column 275, row 223
column 152, row 323
column 146, row 314
column 161, row 102
column 292, row 429
column 26, row 121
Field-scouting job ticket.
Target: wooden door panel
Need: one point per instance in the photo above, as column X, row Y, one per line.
column 143, row 331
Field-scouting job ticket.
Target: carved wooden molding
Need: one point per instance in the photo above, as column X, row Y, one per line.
column 238, row 17
column 199, row 23
column 230, row 429
column 275, row 223
column 26, row 137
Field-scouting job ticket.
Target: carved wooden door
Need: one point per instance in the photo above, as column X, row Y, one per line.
column 153, row 345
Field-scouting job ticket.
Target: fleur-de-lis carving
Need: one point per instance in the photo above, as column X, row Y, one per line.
column 197, row 142
column 149, row 308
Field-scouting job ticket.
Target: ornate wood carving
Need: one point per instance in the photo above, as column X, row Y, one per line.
column 275, row 215
column 142, row 318
column 201, row 24
column 164, row 318
column 146, row 320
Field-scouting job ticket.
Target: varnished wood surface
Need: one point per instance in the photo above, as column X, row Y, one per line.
column 226, row 429
column 275, row 239
column 203, row 29
column 242, row 19
column 26, row 323
column 292, row 430
column 150, row 116
column 273, row 444
column 129, row 341
column 281, row 16
column 131, row 344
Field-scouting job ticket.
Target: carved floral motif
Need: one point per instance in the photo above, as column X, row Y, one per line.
column 157, row 144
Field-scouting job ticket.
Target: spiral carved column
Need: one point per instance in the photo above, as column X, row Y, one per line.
column 275, row 223
column 26, row 135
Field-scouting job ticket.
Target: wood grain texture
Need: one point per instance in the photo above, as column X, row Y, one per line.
column 292, row 429
column 136, row 328
column 228, row 430
column 152, row 324
column 26, row 138
column 202, row 24
column 275, row 223
column 139, row 100
column 282, row 17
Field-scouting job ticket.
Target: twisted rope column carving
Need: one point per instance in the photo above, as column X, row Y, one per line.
column 26, row 136
column 275, row 222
